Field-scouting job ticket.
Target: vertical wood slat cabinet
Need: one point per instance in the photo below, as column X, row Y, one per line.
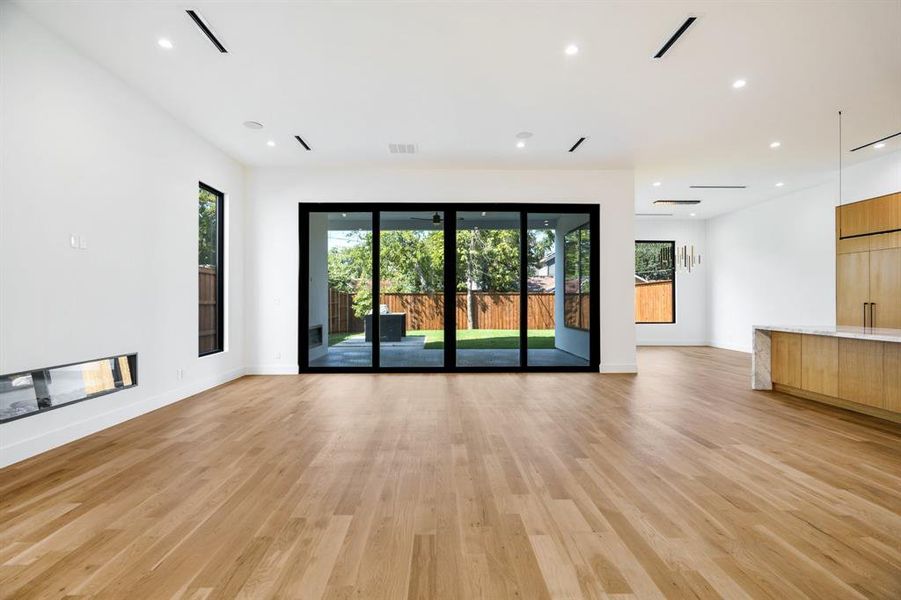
column 885, row 288
column 892, row 372
column 860, row 371
column 858, row 374
column 785, row 349
column 868, row 263
column 819, row 364
column 852, row 288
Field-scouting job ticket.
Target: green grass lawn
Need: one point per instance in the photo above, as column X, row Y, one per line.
column 472, row 339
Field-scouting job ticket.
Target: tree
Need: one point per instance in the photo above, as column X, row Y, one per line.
column 208, row 228
column 653, row 261
column 412, row 261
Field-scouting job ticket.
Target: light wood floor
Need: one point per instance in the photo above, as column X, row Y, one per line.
column 679, row 482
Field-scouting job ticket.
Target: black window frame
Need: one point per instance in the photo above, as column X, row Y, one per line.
column 449, row 209
column 220, row 272
column 672, row 245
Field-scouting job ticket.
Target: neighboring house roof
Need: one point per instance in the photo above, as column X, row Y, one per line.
column 541, row 283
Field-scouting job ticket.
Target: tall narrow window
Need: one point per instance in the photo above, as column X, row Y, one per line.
column 655, row 282
column 211, row 271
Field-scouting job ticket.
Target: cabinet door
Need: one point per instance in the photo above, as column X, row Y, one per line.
column 892, row 370
column 785, row 351
column 885, row 288
column 819, row 364
column 854, row 219
column 852, row 287
column 884, row 213
column 860, row 371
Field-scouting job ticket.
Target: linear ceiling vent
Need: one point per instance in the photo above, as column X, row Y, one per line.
column 302, row 143
column 682, row 29
column 653, row 214
column 206, row 31
column 675, row 202
column 718, row 187
column 577, row 144
column 402, row 148
column 879, row 141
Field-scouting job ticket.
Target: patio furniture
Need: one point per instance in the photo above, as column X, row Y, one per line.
column 392, row 327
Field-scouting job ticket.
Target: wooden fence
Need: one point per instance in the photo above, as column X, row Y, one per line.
column 426, row 311
column 208, row 313
column 654, row 302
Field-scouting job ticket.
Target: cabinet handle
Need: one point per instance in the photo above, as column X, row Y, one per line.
column 865, row 314
column 872, row 318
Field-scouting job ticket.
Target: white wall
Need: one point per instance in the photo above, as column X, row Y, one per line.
column 273, row 195
column 690, row 328
column 80, row 152
column 774, row 263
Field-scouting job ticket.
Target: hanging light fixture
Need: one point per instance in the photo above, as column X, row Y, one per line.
column 685, row 256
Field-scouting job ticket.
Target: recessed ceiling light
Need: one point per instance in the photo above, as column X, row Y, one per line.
column 656, row 184
column 523, row 135
column 253, row 125
column 775, row 144
column 520, row 144
column 739, row 83
column 692, row 214
column 571, row 50
column 780, row 184
column 879, row 146
column 164, row 43
column 270, row 143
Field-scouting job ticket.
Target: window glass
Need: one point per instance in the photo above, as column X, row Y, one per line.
column 655, row 282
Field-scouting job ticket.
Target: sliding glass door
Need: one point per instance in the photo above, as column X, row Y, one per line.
column 488, row 289
column 411, row 295
column 467, row 287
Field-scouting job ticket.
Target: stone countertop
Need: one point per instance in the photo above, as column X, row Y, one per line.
column 858, row 333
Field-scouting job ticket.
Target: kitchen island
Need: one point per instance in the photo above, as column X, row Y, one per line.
column 852, row 367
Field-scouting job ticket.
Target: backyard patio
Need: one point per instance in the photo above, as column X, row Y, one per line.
column 425, row 348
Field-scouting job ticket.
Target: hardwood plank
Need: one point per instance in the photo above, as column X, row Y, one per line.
column 678, row 482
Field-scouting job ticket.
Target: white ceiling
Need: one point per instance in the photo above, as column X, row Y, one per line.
column 460, row 79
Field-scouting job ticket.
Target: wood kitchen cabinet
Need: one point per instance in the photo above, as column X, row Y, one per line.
column 819, row 364
column 786, row 353
column 876, row 215
column 891, row 360
column 868, row 263
column 852, row 288
column 860, row 371
column 885, row 288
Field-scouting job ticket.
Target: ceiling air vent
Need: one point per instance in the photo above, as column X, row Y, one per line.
column 675, row 202
column 577, row 144
column 874, row 142
column 206, row 31
column 402, row 148
column 682, row 29
column 653, row 214
column 718, row 187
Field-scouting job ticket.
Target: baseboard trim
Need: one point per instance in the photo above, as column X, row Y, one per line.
column 272, row 370
column 618, row 368
column 673, row 343
column 48, row 440
column 729, row 346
